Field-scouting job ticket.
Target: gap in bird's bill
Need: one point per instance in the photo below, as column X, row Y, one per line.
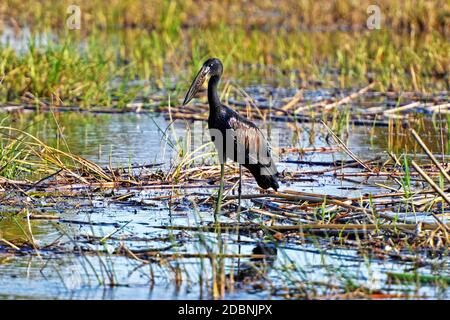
column 153, row 235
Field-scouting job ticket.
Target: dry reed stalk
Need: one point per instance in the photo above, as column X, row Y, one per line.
column 439, row 107
column 348, row 98
column 187, row 255
column 430, row 155
column 273, row 215
column 336, row 168
column 33, row 241
column 317, row 198
column 438, row 190
column 132, row 254
column 251, row 102
column 297, row 97
column 308, row 107
column 16, row 182
column 346, row 149
column 302, row 227
column 430, row 182
column 402, row 108
column 381, row 174
column 43, row 217
column 283, row 150
column 12, row 245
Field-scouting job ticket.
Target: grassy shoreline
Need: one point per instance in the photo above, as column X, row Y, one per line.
column 291, row 44
column 95, row 70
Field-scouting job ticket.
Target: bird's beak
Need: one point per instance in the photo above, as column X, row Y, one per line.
column 196, row 84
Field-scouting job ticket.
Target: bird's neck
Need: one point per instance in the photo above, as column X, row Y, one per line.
column 213, row 96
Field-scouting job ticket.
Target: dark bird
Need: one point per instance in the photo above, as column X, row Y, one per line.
column 234, row 136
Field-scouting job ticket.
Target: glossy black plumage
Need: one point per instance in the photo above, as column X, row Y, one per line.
column 242, row 137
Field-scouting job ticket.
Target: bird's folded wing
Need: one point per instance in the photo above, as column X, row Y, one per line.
column 250, row 139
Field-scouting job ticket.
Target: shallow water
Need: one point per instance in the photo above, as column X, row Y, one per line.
column 124, row 139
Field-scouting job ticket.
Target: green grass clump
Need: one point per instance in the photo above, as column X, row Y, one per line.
column 95, row 70
column 60, row 72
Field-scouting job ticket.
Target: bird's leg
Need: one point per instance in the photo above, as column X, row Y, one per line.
column 219, row 196
column 217, row 281
column 239, row 216
column 239, row 193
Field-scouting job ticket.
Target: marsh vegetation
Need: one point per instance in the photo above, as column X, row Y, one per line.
column 105, row 194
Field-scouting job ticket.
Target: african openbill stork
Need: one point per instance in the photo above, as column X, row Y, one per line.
column 246, row 143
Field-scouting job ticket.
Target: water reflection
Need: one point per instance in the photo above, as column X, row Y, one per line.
column 258, row 267
column 117, row 139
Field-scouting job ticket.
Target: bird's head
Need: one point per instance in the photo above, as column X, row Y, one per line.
column 211, row 67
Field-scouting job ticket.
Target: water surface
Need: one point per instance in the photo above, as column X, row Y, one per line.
column 123, row 139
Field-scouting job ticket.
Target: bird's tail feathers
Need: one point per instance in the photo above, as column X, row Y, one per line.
column 264, row 176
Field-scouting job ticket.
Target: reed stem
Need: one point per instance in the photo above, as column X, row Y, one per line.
column 219, row 195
